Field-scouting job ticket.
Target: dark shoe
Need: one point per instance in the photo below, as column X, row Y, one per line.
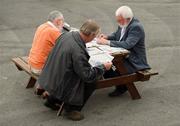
column 74, row 115
column 45, row 95
column 117, row 93
column 51, row 106
column 39, row 91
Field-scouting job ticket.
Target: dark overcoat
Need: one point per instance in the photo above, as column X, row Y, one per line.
column 67, row 69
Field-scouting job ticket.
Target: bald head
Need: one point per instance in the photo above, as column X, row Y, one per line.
column 89, row 30
column 90, row 27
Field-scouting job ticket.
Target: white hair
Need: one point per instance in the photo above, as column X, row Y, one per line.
column 55, row 14
column 125, row 12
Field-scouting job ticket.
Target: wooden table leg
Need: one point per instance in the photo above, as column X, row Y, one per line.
column 133, row 91
column 31, row 82
column 19, row 68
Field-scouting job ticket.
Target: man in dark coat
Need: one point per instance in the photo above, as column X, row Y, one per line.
column 67, row 75
column 129, row 35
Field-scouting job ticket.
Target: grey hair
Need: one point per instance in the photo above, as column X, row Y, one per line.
column 55, row 14
column 125, row 12
column 90, row 27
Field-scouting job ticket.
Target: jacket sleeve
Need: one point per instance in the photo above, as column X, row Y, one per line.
column 113, row 35
column 84, row 70
column 134, row 35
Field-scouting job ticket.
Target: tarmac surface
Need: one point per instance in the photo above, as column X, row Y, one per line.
column 160, row 103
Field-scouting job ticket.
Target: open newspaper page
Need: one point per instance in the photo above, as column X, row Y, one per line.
column 98, row 57
column 100, row 54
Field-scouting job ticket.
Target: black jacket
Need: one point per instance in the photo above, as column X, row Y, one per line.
column 67, row 69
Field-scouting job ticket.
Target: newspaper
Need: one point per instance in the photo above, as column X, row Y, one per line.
column 98, row 57
column 100, row 54
column 105, row 48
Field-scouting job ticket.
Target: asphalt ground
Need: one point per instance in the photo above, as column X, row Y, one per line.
column 160, row 103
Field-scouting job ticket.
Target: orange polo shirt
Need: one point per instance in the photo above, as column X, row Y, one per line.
column 44, row 40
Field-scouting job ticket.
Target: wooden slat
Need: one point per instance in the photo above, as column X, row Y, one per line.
column 122, row 54
column 25, row 59
column 125, row 79
column 24, row 66
column 121, row 80
column 148, row 72
column 152, row 72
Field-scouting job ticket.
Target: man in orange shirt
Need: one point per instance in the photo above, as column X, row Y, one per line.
column 44, row 40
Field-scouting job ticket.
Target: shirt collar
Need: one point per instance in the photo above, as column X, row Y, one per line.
column 52, row 25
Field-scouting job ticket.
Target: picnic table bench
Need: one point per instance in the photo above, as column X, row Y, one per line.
column 125, row 79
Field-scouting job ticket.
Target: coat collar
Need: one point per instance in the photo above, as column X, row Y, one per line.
column 79, row 41
column 132, row 20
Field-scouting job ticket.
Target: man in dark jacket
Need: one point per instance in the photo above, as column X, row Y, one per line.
column 129, row 35
column 67, row 75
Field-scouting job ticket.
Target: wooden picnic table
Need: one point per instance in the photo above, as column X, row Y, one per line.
column 125, row 79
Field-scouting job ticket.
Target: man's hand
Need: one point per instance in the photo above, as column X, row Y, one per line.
column 103, row 36
column 102, row 41
column 108, row 65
